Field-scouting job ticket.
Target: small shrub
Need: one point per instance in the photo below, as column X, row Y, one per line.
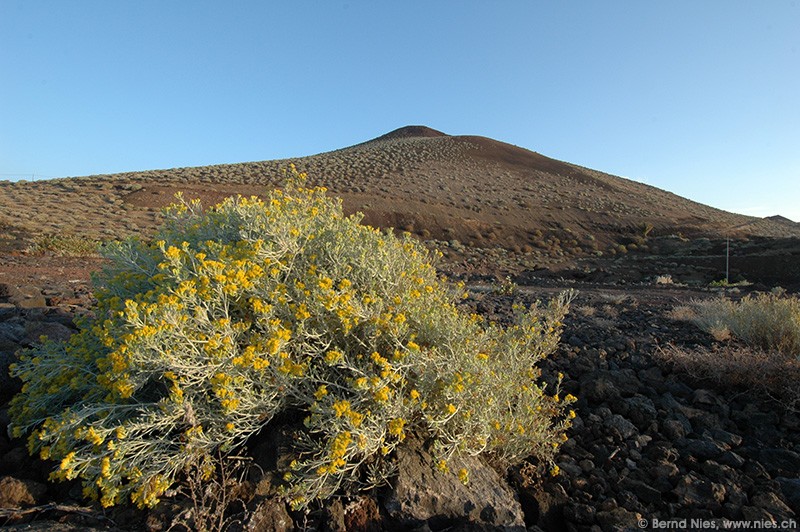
column 768, row 321
column 212, row 485
column 664, row 279
column 255, row 308
column 616, row 299
column 724, row 283
column 64, row 245
column 506, row 288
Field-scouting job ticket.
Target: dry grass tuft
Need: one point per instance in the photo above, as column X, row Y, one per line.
column 769, row 322
column 720, row 333
column 682, row 313
column 771, row 374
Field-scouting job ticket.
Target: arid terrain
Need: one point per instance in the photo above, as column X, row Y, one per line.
column 671, row 422
column 478, row 199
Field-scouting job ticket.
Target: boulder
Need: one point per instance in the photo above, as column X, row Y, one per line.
column 52, row 330
column 334, row 517
column 15, row 493
column 421, row 494
column 673, row 429
column 26, row 296
column 270, row 516
column 12, row 333
column 643, row 491
column 731, row 459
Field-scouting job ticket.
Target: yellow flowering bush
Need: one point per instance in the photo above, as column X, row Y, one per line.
column 254, row 307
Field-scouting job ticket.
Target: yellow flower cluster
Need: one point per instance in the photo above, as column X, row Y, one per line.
column 338, row 449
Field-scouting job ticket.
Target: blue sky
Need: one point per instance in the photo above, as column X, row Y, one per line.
column 698, row 98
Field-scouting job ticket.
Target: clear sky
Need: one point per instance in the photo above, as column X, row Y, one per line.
column 696, row 97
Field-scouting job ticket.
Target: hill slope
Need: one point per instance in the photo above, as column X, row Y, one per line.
column 479, row 191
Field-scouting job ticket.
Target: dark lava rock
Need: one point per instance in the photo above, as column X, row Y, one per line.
column 9, row 386
column 16, row 461
column 716, row 471
column 780, row 461
column 773, row 504
column 643, row 491
column 700, row 449
column 731, row 459
column 334, row 517
column 791, row 492
column 693, row 491
column 673, row 429
column 26, row 296
column 580, row 513
column 641, row 411
column 621, row 426
column 52, row 330
column 753, row 513
column 599, row 390
column 7, row 310
column 545, row 507
column 726, row 438
column 12, row 331
column 617, row 519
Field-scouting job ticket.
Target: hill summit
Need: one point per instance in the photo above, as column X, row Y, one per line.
column 410, row 132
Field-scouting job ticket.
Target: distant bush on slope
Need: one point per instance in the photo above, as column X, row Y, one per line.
column 64, row 245
column 255, row 308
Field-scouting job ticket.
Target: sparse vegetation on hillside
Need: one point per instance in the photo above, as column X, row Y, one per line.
column 489, row 193
column 255, row 308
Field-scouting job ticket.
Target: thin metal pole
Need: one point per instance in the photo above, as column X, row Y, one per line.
column 727, row 258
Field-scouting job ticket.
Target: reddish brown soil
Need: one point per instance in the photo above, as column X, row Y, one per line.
column 39, row 270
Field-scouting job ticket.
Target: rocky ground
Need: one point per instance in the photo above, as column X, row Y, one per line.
column 650, row 441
